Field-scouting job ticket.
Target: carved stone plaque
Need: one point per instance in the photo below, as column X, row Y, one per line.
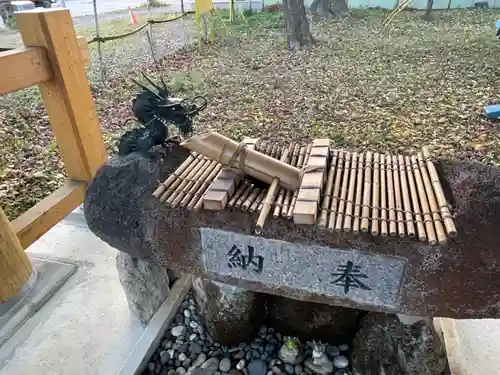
column 364, row 278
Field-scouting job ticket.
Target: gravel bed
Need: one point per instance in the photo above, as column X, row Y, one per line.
column 186, row 345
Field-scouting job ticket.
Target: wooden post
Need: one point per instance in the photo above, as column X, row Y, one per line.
column 15, row 267
column 67, row 95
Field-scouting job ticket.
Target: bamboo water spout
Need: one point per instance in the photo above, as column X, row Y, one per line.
column 258, row 165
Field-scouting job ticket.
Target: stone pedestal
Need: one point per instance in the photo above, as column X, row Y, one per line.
column 231, row 314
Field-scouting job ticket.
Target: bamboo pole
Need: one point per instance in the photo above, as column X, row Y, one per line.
column 255, row 205
column 287, row 200
column 188, row 182
column 238, row 193
column 251, row 199
column 197, row 185
column 164, row 185
column 197, row 202
column 390, row 194
column 300, row 164
column 323, row 217
column 429, row 227
column 375, row 194
column 343, row 193
column 244, row 196
column 438, row 189
column 336, row 191
column 397, row 194
column 422, row 236
column 268, row 201
column 410, row 228
column 383, row 197
column 365, row 212
column 278, row 205
column 438, row 224
column 258, row 165
column 359, row 194
column 350, row 194
column 179, row 178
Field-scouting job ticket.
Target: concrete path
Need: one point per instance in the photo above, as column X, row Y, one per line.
column 86, row 327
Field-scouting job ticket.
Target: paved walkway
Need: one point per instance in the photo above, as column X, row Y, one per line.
column 86, row 328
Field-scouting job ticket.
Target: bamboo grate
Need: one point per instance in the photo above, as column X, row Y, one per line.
column 381, row 194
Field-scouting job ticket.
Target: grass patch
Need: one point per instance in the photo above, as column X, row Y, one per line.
column 153, row 4
column 367, row 88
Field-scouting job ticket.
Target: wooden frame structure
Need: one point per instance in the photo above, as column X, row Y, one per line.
column 54, row 59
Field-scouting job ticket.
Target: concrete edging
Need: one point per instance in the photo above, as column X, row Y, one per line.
column 151, row 337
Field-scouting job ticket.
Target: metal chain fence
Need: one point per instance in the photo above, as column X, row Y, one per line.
column 128, row 40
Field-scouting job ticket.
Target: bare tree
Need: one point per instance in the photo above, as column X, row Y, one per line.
column 428, row 10
column 297, row 25
column 327, row 8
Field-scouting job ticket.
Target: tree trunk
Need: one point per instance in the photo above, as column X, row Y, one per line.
column 297, row 25
column 327, row 8
column 428, row 10
column 321, row 8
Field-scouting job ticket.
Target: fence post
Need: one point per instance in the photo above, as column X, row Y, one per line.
column 67, row 95
column 15, row 267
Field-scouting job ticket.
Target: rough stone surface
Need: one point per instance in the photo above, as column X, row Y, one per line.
column 401, row 349
column 437, row 280
column 145, row 284
column 231, row 314
column 311, row 321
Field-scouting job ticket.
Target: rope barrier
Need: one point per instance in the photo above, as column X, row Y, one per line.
column 103, row 39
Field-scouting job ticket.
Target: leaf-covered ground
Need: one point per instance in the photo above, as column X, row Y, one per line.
column 415, row 83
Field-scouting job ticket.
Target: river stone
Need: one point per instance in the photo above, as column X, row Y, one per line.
column 145, row 284
column 225, row 365
column 403, row 349
column 311, row 321
column 211, row 364
column 340, row 362
column 231, row 314
column 200, row 359
column 257, row 367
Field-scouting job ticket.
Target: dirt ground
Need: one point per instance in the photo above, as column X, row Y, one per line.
column 388, row 90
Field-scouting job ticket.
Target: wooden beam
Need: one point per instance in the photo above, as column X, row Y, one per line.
column 15, row 267
column 35, row 222
column 22, row 68
column 28, row 67
column 84, row 50
column 67, row 95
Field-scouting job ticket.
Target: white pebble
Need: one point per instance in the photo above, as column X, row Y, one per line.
column 171, row 352
column 340, row 362
column 241, row 364
column 344, row 347
column 178, row 331
column 187, row 313
column 192, row 337
column 181, row 370
column 182, row 357
column 225, row 365
column 193, row 325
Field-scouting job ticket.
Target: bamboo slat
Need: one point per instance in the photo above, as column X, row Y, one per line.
column 381, row 194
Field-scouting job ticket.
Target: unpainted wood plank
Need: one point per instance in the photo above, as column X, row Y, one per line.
column 67, row 95
column 15, row 267
column 84, row 50
column 29, row 67
column 224, row 185
column 152, row 335
column 22, row 68
column 35, row 222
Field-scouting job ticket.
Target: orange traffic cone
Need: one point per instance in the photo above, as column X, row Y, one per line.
column 133, row 20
